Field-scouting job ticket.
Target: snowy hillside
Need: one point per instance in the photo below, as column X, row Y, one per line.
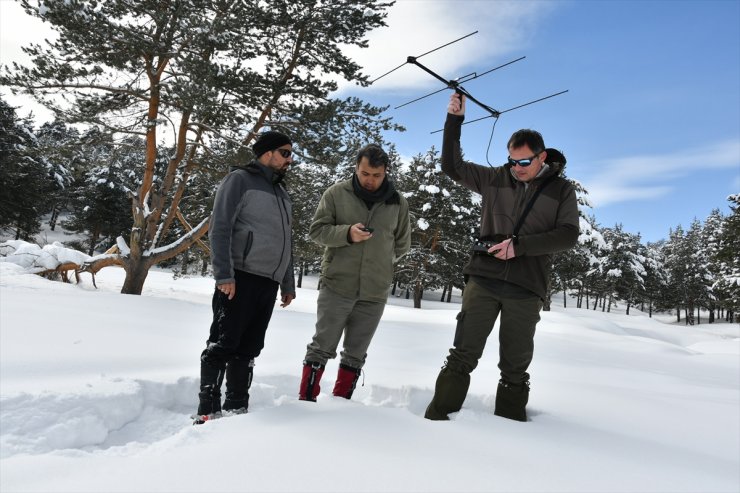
column 96, row 389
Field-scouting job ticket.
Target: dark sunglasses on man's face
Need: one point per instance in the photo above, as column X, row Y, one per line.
column 285, row 152
column 522, row 162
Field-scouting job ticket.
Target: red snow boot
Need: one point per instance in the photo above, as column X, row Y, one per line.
column 310, row 388
column 346, row 381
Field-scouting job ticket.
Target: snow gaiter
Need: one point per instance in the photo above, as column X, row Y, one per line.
column 210, row 390
column 449, row 394
column 346, row 381
column 511, row 400
column 310, row 388
column 239, row 372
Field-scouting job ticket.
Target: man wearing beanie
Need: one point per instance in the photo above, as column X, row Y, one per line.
column 363, row 223
column 251, row 254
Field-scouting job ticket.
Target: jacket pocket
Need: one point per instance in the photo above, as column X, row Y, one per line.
column 247, row 246
column 459, row 329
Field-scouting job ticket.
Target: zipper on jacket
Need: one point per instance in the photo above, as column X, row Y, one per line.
column 248, row 247
column 283, row 213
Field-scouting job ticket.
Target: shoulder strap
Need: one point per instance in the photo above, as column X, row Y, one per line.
column 545, row 182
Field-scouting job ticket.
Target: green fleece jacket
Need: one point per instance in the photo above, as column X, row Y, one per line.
column 361, row 270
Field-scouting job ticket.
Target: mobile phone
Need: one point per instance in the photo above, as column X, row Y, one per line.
column 367, row 230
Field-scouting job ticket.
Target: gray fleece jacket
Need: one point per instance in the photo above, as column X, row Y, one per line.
column 250, row 227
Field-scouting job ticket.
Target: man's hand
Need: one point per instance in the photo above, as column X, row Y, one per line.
column 456, row 105
column 229, row 289
column 286, row 299
column 357, row 235
column 503, row 250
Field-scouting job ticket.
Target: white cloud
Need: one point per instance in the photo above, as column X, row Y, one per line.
column 652, row 176
column 414, row 27
column 418, row 26
column 18, row 29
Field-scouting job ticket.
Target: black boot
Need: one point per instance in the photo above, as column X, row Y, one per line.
column 449, row 394
column 511, row 400
column 239, row 372
column 209, row 405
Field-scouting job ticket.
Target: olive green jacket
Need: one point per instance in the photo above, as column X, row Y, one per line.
column 361, row 270
column 551, row 226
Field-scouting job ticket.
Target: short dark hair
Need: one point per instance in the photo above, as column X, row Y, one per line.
column 531, row 138
column 375, row 155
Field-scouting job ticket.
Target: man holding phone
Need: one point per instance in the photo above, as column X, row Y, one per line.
column 363, row 223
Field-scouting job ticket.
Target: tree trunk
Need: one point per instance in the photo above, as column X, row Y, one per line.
column 393, row 290
column 418, row 292
column 449, row 294
column 628, row 308
column 678, row 314
column 136, row 272
column 93, row 241
column 299, row 283
column 444, row 292
column 54, row 216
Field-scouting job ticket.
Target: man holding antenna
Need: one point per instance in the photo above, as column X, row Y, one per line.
column 529, row 212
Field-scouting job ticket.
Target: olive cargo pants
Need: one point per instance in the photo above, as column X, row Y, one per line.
column 480, row 309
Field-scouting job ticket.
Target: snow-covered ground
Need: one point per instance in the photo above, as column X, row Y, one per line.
column 96, row 389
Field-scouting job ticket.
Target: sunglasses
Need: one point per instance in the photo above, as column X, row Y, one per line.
column 285, row 152
column 522, row 162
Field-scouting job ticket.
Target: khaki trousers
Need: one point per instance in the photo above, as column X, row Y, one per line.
column 337, row 315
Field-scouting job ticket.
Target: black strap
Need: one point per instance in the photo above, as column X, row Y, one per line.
column 545, row 182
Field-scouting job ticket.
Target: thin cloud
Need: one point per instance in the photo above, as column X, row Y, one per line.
column 650, row 176
column 418, row 26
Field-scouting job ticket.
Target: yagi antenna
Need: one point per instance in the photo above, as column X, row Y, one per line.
column 460, row 80
column 510, row 109
column 455, row 83
column 428, row 52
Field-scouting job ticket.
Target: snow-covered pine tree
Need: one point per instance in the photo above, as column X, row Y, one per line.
column 24, row 176
column 728, row 283
column 59, row 144
column 656, row 279
column 441, row 218
column 99, row 206
column 570, row 268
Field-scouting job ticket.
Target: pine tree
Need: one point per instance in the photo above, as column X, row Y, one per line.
column 442, row 216
column 623, row 269
column 712, row 232
column 570, row 268
column 24, row 176
column 99, row 206
column 727, row 254
column 656, row 279
column 197, row 70
column 60, row 146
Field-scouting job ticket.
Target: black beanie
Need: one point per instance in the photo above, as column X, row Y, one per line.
column 269, row 141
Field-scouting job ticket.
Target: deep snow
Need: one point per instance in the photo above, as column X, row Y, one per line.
column 96, row 389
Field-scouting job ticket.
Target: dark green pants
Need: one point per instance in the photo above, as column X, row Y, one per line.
column 480, row 309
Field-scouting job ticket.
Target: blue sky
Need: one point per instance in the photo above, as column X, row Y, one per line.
column 651, row 122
